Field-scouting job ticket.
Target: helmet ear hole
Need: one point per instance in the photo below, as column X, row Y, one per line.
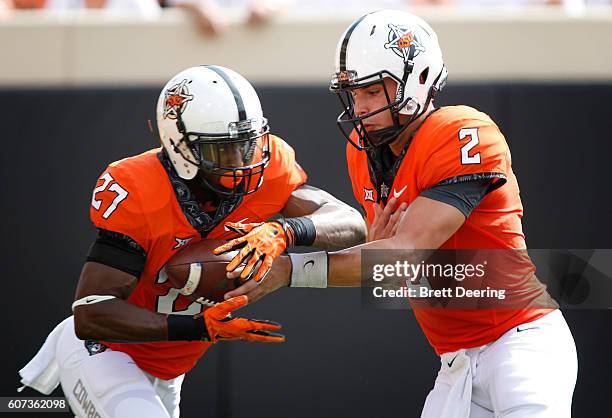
column 423, row 76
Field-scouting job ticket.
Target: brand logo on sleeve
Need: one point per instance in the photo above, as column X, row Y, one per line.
column 181, row 242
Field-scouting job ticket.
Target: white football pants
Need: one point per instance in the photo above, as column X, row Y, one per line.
column 110, row 385
column 529, row 372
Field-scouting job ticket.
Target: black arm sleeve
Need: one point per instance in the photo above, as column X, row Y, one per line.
column 463, row 193
column 118, row 251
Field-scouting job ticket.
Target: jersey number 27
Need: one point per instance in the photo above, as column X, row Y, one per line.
column 114, row 187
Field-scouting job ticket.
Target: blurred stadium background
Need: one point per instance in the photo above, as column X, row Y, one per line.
column 76, row 90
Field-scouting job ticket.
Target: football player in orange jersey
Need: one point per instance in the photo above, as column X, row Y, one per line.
column 430, row 178
column 218, row 162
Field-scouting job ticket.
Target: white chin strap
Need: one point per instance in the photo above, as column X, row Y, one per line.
column 90, row 300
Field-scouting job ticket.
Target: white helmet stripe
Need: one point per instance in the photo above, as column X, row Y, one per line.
column 237, row 97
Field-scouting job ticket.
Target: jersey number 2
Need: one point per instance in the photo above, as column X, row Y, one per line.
column 466, row 158
column 115, row 187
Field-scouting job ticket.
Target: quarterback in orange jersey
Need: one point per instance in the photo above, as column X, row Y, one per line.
column 439, row 178
column 218, row 174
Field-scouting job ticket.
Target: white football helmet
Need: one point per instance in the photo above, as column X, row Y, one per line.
column 210, row 123
column 387, row 43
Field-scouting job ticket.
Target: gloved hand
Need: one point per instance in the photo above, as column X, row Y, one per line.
column 220, row 324
column 260, row 244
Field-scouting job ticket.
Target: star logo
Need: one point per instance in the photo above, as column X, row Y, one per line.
column 401, row 40
column 384, row 190
column 368, row 194
column 181, row 242
column 176, row 99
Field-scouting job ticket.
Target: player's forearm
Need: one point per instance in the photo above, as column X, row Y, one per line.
column 344, row 269
column 334, row 224
column 117, row 320
column 338, row 226
column 414, row 237
column 345, row 265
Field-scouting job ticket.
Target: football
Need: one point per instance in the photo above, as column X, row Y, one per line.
column 199, row 274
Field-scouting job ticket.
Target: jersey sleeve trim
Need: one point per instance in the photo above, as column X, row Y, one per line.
column 496, row 180
column 118, row 251
column 495, row 177
column 464, row 192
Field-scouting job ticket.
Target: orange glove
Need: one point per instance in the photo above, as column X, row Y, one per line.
column 261, row 242
column 222, row 326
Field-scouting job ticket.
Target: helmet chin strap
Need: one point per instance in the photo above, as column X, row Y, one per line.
column 389, row 134
column 206, row 185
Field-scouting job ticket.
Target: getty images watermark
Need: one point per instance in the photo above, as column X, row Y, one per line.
column 417, row 285
column 486, row 279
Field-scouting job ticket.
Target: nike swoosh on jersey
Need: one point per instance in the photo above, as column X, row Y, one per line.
column 398, row 194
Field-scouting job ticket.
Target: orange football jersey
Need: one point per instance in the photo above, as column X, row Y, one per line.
column 136, row 197
column 454, row 142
